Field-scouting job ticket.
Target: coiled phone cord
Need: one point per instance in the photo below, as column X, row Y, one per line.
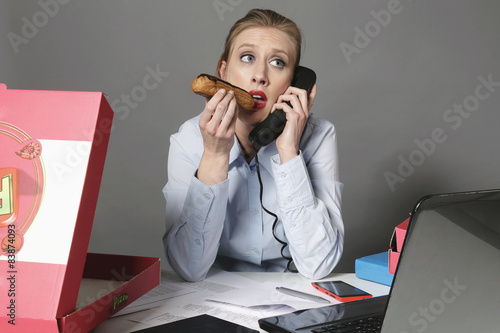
column 283, row 243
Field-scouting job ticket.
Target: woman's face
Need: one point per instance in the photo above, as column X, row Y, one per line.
column 261, row 62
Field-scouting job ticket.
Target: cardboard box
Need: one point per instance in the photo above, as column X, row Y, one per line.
column 393, row 260
column 374, row 268
column 52, row 150
column 110, row 283
column 396, row 245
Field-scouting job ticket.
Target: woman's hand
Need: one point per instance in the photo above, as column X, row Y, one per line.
column 296, row 118
column 217, row 124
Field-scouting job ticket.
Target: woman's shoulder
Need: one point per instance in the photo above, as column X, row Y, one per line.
column 318, row 134
column 191, row 124
column 189, row 134
column 189, row 128
column 317, row 126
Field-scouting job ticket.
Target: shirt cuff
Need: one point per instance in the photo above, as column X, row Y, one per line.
column 200, row 200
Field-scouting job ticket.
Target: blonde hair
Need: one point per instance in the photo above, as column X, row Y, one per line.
column 265, row 18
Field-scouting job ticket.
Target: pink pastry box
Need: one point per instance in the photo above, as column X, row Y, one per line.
column 396, row 245
column 52, row 151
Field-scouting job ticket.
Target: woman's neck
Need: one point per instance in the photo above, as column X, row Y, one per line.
column 242, row 132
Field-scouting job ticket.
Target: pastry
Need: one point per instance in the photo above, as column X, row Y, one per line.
column 207, row 85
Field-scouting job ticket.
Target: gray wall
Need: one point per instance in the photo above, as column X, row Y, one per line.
column 406, row 95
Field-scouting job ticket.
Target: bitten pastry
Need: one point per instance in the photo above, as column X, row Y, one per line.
column 207, row 85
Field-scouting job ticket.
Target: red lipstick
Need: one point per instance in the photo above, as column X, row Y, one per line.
column 260, row 99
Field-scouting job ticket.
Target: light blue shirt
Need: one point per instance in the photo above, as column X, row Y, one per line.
column 225, row 223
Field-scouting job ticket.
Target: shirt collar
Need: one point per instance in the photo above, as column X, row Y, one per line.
column 265, row 154
column 235, row 151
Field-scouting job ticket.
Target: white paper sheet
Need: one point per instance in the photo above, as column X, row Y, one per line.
column 265, row 294
column 173, row 287
column 228, row 296
column 176, row 299
column 246, row 316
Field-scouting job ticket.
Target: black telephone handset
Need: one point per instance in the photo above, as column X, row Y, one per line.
column 268, row 130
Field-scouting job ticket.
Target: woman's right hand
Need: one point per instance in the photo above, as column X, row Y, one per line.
column 217, row 124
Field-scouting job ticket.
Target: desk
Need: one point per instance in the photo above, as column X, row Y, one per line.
column 294, row 280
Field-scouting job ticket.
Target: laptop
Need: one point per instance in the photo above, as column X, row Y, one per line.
column 447, row 279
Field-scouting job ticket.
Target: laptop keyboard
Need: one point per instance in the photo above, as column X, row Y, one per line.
column 371, row 325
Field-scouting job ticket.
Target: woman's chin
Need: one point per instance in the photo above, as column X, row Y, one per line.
column 253, row 117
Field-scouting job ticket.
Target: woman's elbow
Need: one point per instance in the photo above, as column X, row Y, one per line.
column 319, row 267
column 184, row 271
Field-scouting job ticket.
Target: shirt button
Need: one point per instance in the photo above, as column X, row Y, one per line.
column 252, row 173
column 207, row 196
column 254, row 210
column 256, row 251
column 289, row 199
column 197, row 242
column 283, row 175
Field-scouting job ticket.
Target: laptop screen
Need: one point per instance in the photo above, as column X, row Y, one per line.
column 449, row 272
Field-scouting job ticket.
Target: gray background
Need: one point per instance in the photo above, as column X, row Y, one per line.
column 398, row 87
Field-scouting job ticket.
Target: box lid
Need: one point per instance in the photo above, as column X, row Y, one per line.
column 52, row 150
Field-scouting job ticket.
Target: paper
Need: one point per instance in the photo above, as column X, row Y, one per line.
column 242, row 298
column 172, row 286
column 266, row 294
column 228, row 296
column 175, row 299
column 246, row 316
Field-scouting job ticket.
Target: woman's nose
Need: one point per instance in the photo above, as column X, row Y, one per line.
column 260, row 76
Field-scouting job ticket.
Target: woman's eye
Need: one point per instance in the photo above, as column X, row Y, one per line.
column 278, row 63
column 247, row 58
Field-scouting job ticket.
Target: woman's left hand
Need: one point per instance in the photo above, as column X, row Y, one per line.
column 296, row 119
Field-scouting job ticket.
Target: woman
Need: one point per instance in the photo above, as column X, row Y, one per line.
column 214, row 214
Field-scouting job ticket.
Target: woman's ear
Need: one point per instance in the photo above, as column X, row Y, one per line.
column 222, row 70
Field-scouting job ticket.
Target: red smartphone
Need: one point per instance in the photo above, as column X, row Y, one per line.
column 341, row 291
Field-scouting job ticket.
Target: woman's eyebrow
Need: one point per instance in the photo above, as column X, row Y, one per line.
column 246, row 45
column 280, row 51
column 275, row 50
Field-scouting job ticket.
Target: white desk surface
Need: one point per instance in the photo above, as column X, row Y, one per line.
column 124, row 324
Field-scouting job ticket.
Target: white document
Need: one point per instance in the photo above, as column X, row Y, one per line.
column 245, row 316
column 241, row 298
column 265, row 294
column 175, row 299
column 172, row 289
